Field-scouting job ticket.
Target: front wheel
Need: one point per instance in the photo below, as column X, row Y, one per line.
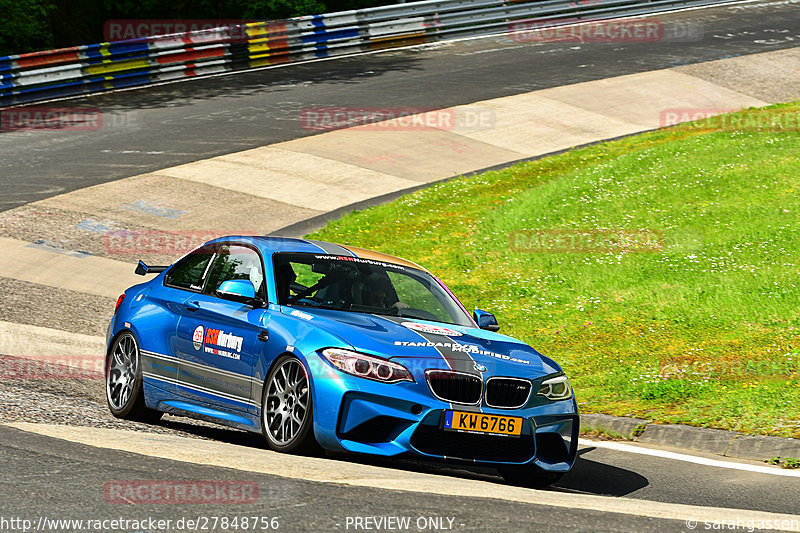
column 529, row 476
column 287, row 419
column 124, row 390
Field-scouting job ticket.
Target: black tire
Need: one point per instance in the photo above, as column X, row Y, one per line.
column 124, row 390
column 529, row 476
column 287, row 408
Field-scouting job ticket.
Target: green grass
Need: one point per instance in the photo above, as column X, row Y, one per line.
column 700, row 329
column 788, row 463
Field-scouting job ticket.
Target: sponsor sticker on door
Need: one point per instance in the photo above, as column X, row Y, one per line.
column 197, row 337
column 217, row 342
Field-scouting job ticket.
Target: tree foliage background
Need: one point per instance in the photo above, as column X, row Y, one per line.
column 30, row 25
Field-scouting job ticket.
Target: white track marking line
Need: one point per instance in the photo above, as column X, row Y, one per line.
column 621, row 447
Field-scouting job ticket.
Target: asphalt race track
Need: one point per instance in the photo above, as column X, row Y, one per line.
column 46, row 477
column 182, row 122
column 82, row 471
column 173, row 124
column 298, row 504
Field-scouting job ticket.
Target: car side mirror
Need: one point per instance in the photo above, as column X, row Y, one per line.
column 485, row 320
column 238, row 290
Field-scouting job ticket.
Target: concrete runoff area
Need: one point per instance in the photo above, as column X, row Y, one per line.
column 64, row 269
column 317, row 182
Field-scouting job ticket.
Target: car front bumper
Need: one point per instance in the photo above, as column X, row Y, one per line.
column 357, row 415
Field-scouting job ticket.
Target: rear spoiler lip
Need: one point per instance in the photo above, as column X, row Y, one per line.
column 143, row 269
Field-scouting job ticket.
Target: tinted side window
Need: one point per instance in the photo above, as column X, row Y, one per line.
column 236, row 262
column 188, row 272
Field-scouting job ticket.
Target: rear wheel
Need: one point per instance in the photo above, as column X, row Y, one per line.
column 287, row 408
column 529, row 476
column 124, row 390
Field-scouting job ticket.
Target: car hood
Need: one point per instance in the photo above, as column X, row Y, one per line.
column 430, row 344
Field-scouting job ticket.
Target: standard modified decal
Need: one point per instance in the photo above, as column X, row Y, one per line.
column 470, row 349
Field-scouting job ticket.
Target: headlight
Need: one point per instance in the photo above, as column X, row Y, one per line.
column 367, row 366
column 557, row 388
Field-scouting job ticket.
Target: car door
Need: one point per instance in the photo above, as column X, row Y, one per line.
column 218, row 339
column 159, row 346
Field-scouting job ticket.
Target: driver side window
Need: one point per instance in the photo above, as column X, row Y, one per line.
column 236, row 262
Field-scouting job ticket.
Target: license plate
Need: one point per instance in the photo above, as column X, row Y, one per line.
column 482, row 423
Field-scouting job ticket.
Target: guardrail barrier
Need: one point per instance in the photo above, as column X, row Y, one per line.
column 93, row 68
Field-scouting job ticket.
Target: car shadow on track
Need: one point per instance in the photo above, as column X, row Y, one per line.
column 587, row 477
column 592, row 477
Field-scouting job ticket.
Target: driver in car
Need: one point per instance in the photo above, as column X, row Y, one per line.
column 378, row 297
column 286, row 277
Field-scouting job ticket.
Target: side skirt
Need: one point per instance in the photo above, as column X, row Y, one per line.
column 166, row 402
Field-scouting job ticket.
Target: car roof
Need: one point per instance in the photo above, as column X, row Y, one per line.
column 289, row 244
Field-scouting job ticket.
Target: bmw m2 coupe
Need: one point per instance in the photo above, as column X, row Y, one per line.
column 318, row 345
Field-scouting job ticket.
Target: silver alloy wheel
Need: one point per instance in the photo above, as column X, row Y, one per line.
column 122, row 371
column 287, row 401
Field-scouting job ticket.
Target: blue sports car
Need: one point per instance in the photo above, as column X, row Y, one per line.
column 318, row 345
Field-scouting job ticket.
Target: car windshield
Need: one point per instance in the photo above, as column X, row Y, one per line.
column 363, row 286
